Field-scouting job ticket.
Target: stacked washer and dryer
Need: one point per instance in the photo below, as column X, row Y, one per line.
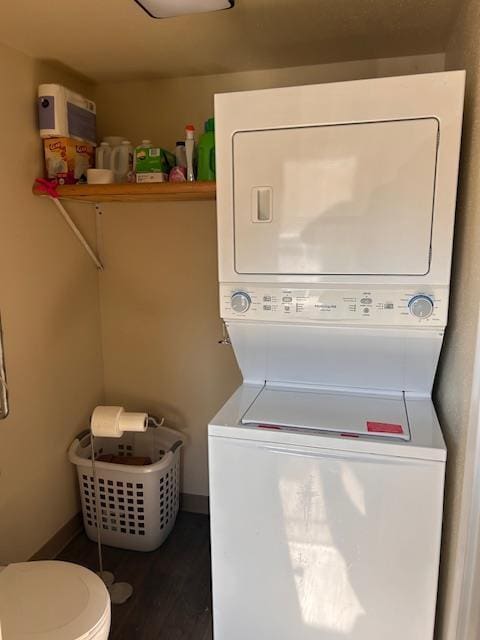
column 335, row 221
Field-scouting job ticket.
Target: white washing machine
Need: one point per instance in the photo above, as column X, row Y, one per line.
column 335, row 221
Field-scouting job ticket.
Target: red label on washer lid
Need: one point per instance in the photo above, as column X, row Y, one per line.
column 384, row 427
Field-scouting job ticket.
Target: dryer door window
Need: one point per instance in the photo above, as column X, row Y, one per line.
column 349, row 199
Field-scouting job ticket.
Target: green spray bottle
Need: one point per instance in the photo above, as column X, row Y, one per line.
column 206, row 152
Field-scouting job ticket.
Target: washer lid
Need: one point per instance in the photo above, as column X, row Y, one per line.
column 51, row 601
column 346, row 413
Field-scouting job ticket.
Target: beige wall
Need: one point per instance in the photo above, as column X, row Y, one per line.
column 50, row 314
column 160, row 320
column 159, row 290
column 453, row 389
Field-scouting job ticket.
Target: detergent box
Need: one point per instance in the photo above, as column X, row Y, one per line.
column 67, row 160
column 153, row 160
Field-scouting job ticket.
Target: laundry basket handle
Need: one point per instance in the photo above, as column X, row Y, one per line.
column 82, row 434
column 175, row 445
column 72, row 451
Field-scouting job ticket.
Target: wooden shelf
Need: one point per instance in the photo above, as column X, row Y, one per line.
column 154, row 192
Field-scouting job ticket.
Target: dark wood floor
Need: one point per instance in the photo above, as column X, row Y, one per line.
column 172, row 592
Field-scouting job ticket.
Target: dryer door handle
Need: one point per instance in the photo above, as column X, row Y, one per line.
column 262, row 204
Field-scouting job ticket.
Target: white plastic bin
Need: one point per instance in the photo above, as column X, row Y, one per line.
column 138, row 504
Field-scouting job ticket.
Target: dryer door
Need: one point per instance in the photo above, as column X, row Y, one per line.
column 349, row 199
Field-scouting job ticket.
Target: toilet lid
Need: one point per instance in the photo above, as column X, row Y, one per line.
column 51, row 600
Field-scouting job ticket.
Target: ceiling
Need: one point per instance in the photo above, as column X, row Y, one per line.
column 115, row 39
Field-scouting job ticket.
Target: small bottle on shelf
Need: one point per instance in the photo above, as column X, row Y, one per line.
column 190, row 150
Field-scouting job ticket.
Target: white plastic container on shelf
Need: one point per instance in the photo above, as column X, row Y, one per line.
column 121, row 162
column 138, row 504
column 103, row 155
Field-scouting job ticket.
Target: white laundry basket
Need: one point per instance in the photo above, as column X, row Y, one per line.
column 138, row 504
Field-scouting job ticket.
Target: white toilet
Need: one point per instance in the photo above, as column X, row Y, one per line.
column 52, row 601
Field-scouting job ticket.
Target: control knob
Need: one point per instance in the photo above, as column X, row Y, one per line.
column 241, row 302
column 421, row 306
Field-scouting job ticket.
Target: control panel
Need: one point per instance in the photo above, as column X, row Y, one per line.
column 348, row 306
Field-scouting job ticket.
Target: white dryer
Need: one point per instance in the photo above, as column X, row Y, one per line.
column 335, row 221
